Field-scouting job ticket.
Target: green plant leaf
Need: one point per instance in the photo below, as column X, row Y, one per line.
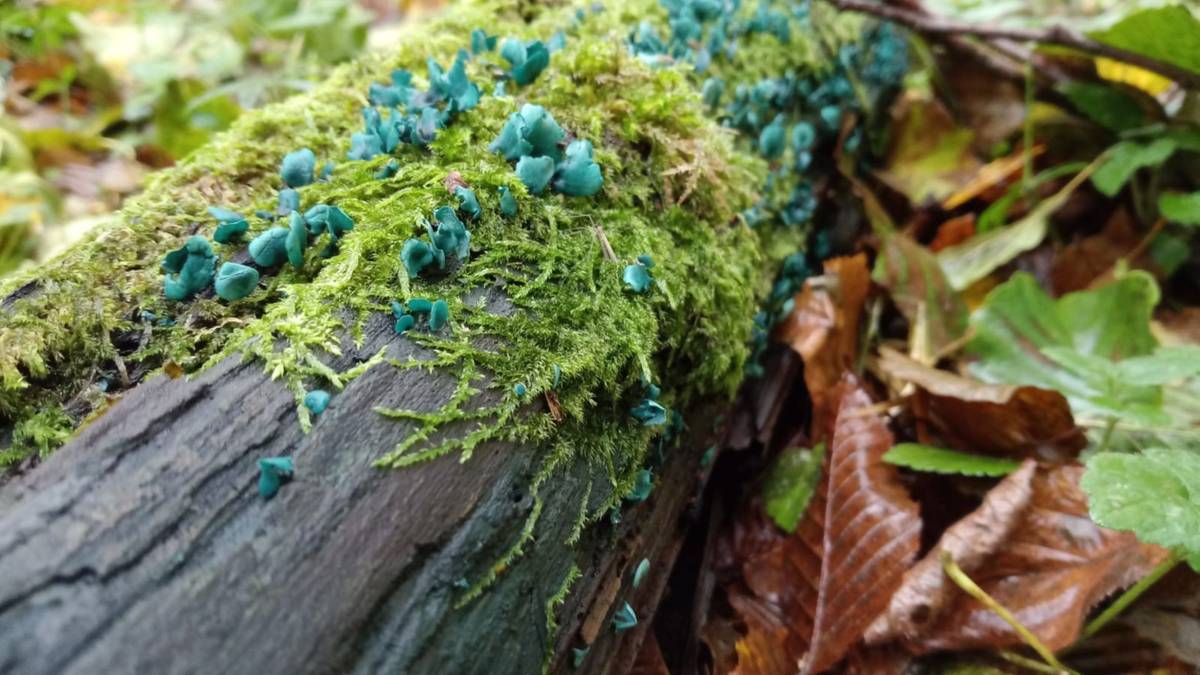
column 1125, row 158
column 790, row 485
column 940, row 460
column 1170, row 34
column 977, row 257
column 1105, row 105
column 1155, row 495
column 1180, row 207
column 1075, row 345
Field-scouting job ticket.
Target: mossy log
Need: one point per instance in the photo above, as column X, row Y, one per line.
column 441, row 518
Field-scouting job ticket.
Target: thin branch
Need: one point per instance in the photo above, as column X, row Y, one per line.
column 1061, row 36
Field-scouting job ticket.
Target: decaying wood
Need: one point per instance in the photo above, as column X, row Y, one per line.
column 143, row 545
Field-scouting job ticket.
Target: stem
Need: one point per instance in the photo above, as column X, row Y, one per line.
column 1133, row 593
column 1109, row 427
column 1062, row 36
column 958, row 576
column 1025, row 662
column 1027, row 151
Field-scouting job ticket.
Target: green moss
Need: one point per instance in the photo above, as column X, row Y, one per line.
column 674, row 183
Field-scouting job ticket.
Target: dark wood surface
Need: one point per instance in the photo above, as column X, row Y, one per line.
column 143, row 546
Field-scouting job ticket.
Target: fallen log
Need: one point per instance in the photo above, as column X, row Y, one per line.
column 142, row 543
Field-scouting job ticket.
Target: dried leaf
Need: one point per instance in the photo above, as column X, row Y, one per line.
column 856, row 564
column 953, row 231
column 1054, row 568
column 871, row 531
column 926, row 588
column 930, row 155
column 995, row 173
column 1003, row 420
column 823, row 328
column 650, row 658
column 1119, row 650
column 935, row 312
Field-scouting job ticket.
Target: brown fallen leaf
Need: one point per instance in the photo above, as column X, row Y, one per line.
column 995, row 173
column 1002, row 420
column 1120, row 650
column 953, row 231
column 936, row 314
column 1169, row 615
column 1056, row 567
column 807, row 597
column 823, row 328
column 970, row 542
column 1076, row 265
column 871, row 531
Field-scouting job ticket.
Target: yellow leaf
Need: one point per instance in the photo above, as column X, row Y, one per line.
column 1115, row 71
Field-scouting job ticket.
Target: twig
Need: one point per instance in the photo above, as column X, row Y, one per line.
column 1062, row 36
column 972, row 589
column 604, row 245
column 1132, row 594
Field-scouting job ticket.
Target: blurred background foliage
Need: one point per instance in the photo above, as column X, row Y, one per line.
column 97, row 93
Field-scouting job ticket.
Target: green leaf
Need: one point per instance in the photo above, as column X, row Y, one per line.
column 1180, row 207
column 977, row 257
column 939, row 460
column 1105, row 105
column 1166, row 364
column 1170, row 252
column 1170, row 34
column 1073, row 344
column 1155, row 495
column 1125, row 158
column 790, row 485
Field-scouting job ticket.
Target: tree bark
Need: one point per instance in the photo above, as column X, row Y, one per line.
column 143, row 545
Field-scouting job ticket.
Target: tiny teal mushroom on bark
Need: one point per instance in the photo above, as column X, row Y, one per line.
column 272, row 472
column 420, row 306
column 712, row 90
column 578, row 174
column 417, row 255
column 451, row 235
column 535, row 172
column 639, row 573
column 520, row 390
column 468, row 203
column 771, row 141
column 404, row 323
column 439, row 315
column 642, row 486
column 316, row 401
column 637, row 276
column 578, row 654
column 235, row 281
column 388, row 170
column 289, row 200
column 296, row 240
column 297, row 168
column 528, row 59
column 189, row 269
column 269, row 248
column 232, row 225
column 508, row 203
column 624, row 619
column 482, row 42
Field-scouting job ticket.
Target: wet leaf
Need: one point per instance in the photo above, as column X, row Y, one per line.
column 971, row 541
column 871, row 531
column 940, row 460
column 823, row 328
column 1179, row 207
column 790, row 484
column 1056, row 565
column 1107, row 106
column 1154, row 494
column 822, row 586
column 1071, row 344
column 1003, row 420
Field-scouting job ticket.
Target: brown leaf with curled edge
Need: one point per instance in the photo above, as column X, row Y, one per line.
column 971, row 541
column 650, row 660
column 871, row 530
column 1057, row 565
column 994, row 419
column 1118, row 650
column 810, row 595
column 823, row 327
